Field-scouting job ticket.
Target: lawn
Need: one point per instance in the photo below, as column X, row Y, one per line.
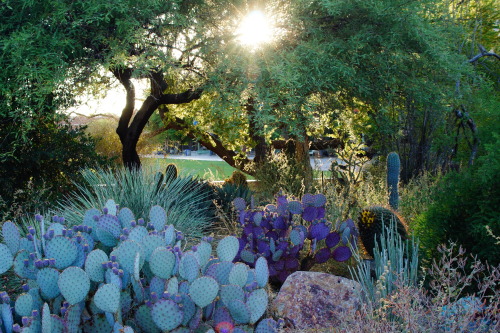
column 211, row 170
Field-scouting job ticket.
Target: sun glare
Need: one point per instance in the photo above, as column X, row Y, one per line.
column 255, row 29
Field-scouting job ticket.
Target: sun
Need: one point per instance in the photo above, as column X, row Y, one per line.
column 255, row 29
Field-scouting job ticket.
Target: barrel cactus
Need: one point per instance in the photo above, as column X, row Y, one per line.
column 171, row 172
column 373, row 220
column 393, row 169
column 279, row 233
column 113, row 273
column 237, row 178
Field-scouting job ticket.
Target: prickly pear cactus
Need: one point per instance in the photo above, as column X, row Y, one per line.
column 393, row 168
column 115, row 274
column 373, row 220
column 278, row 233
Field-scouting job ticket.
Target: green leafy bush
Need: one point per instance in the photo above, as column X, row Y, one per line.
column 464, row 204
column 50, row 158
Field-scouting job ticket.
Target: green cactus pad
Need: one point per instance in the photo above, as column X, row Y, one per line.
column 183, row 287
column 189, row 268
column 247, row 256
column 107, row 298
column 150, row 243
column 57, row 227
column 170, row 235
column 74, row 284
column 166, row 314
column 158, row 217
column 125, row 216
column 88, row 220
column 21, row 270
column 93, row 265
column 227, row 249
column 144, row 320
column 138, row 233
column 110, row 224
column 295, row 237
column 111, row 206
column 230, row 292
column 257, row 218
column 24, row 305
column 267, row 325
column 80, row 255
column 46, row 319
column 162, row 262
column 157, row 286
column 126, row 252
column 57, row 324
column 47, row 280
column 11, row 236
column 173, row 286
column 257, row 304
column 72, row 318
column 239, row 204
column 188, row 309
column 35, row 294
column 261, row 272
column 6, row 258
column 106, row 238
column 239, row 311
column 203, row 253
column 63, row 250
column 222, row 271
column 238, row 274
column 27, row 245
column 203, row 291
column 295, row 207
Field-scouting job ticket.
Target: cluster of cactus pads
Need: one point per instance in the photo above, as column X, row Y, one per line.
column 279, row 232
column 115, row 274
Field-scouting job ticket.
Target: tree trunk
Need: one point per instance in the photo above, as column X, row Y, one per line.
column 130, row 127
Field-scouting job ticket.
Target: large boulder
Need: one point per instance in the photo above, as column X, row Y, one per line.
column 316, row 300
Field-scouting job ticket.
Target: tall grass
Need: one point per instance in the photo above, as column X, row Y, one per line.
column 185, row 199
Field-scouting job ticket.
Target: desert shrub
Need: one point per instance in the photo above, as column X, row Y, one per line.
column 347, row 200
column 47, row 162
column 444, row 307
column 464, row 204
column 280, row 172
column 187, row 200
column 417, row 195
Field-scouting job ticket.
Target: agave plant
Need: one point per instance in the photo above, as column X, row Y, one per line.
column 186, row 199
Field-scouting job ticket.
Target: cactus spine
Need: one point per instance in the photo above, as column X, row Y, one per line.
column 393, row 167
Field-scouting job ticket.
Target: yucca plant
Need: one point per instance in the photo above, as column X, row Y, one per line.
column 395, row 260
column 186, row 199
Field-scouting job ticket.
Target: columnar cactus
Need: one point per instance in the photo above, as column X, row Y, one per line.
column 128, row 275
column 276, row 233
column 393, row 169
column 373, row 220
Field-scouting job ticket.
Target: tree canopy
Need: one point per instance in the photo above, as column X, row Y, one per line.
column 394, row 61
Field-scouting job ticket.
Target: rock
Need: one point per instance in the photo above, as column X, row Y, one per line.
column 316, row 300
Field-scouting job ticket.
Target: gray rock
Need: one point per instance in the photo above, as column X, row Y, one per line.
column 316, row 300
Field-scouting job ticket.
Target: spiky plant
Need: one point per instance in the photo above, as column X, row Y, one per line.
column 185, row 199
column 371, row 224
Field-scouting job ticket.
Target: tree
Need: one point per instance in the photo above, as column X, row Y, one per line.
column 331, row 56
